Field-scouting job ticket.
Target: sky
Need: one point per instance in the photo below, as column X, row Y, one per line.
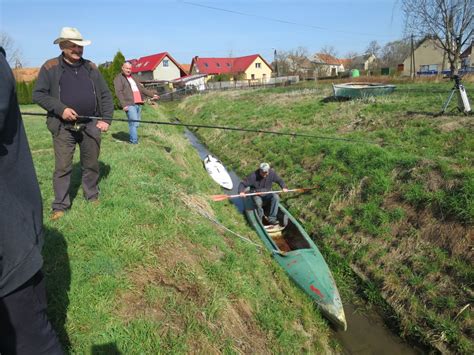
column 205, row 28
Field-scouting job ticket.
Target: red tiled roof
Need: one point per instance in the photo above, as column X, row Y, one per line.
column 224, row 65
column 345, row 61
column 327, row 58
column 25, row 74
column 186, row 67
column 150, row 62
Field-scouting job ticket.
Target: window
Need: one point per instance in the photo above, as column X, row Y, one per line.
column 206, row 65
column 166, row 63
column 252, row 77
column 218, row 65
column 228, row 65
column 423, row 68
column 258, row 65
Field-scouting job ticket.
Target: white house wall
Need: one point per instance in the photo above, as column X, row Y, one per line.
column 166, row 73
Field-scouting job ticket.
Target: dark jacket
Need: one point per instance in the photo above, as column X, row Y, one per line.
column 124, row 92
column 47, row 92
column 257, row 183
column 20, row 198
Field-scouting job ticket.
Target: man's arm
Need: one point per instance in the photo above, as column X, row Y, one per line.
column 280, row 181
column 42, row 96
column 106, row 99
column 119, row 88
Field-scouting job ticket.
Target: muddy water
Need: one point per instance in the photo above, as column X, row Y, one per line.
column 366, row 332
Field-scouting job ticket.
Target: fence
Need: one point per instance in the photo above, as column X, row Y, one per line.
column 256, row 83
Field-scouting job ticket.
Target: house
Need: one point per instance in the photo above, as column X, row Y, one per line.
column 327, row 65
column 301, row 66
column 186, row 67
column 251, row 67
column 191, row 82
column 467, row 61
column 429, row 57
column 157, row 67
column 363, row 62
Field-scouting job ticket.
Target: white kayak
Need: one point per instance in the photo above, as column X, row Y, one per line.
column 217, row 172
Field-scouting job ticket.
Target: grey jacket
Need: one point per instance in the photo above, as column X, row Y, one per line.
column 47, row 92
column 258, row 183
column 21, row 211
column 124, row 93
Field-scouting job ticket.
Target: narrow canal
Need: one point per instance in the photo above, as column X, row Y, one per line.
column 366, row 331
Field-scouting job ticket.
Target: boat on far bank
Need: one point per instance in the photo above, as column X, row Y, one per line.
column 357, row 90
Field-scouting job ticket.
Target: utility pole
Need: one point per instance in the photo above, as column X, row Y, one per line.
column 276, row 63
column 412, row 60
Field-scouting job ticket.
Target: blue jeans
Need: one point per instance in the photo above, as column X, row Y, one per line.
column 134, row 113
column 273, row 200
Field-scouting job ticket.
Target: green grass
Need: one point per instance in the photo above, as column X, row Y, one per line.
column 407, row 201
column 144, row 273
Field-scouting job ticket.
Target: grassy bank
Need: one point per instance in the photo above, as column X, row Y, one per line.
column 144, row 272
column 399, row 212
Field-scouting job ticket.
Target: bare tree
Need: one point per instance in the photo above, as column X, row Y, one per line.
column 448, row 21
column 329, row 50
column 13, row 52
column 394, row 53
column 373, row 48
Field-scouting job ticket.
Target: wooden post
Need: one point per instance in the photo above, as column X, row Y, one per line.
column 412, row 60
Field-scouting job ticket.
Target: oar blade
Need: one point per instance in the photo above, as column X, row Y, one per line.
column 219, row 197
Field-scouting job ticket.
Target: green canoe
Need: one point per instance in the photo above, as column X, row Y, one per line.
column 297, row 254
column 361, row 90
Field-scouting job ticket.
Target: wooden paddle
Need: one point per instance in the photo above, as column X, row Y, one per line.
column 225, row 197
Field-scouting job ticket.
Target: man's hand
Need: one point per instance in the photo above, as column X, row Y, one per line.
column 155, row 97
column 242, row 194
column 69, row 114
column 285, row 189
column 103, row 126
column 125, row 108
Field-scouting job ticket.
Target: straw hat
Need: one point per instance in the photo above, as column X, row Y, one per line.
column 71, row 34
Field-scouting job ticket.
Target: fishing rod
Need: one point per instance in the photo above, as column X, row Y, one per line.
column 84, row 119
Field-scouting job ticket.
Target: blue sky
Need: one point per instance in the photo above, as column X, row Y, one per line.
column 199, row 27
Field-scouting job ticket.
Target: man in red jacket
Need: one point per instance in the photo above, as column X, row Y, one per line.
column 130, row 93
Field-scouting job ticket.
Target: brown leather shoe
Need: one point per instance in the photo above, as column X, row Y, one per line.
column 56, row 215
column 95, row 202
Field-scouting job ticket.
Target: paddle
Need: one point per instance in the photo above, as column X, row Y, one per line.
column 225, row 197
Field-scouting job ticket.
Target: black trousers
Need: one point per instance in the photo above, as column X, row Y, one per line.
column 64, row 147
column 24, row 325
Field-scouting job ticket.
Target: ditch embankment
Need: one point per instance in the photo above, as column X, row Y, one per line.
column 394, row 219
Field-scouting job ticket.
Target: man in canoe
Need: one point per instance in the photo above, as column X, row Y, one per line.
column 261, row 180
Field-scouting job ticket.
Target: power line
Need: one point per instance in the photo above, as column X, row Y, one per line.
column 283, row 21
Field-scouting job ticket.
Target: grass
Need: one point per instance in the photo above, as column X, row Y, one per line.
column 143, row 272
column 395, row 209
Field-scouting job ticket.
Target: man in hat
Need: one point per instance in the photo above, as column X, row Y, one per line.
column 68, row 87
column 130, row 93
column 24, row 324
column 261, row 180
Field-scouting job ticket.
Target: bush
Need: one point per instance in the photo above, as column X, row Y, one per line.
column 24, row 92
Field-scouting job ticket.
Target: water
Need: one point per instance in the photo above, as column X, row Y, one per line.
column 366, row 332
